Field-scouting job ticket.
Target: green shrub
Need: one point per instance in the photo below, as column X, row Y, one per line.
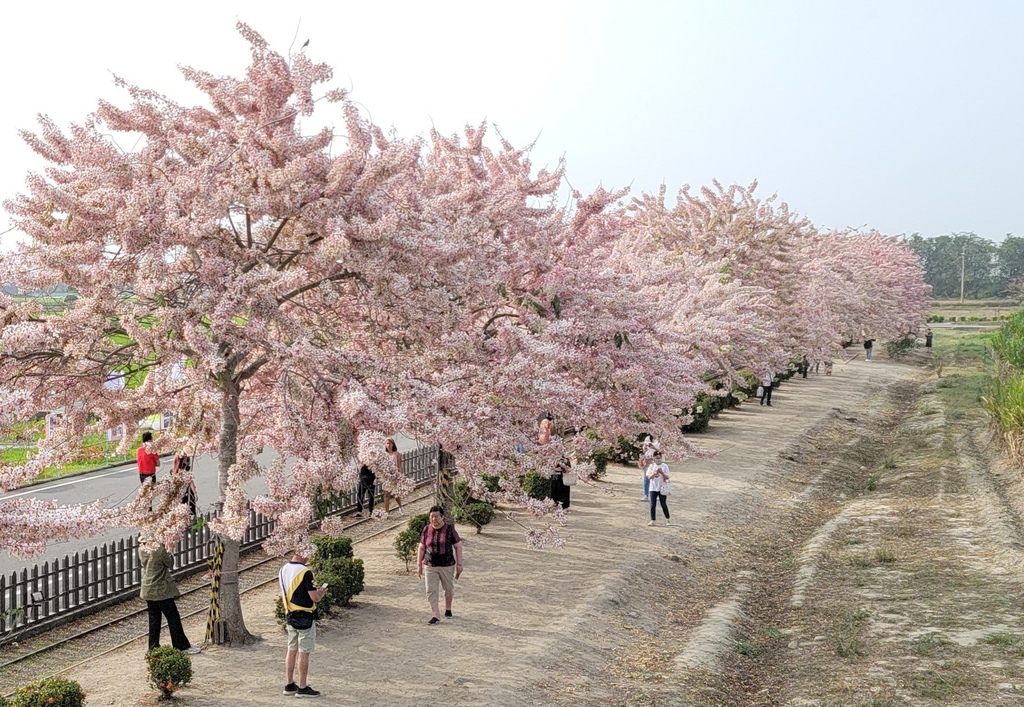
column 333, row 563
column 418, row 522
column 330, row 546
column 463, row 497
column 467, row 509
column 169, row 670
column 52, row 692
column 407, row 545
column 279, row 611
column 600, row 459
column 625, row 451
column 407, row 542
column 536, row 486
column 900, row 348
column 345, row 576
column 490, row 483
column 701, row 412
column 750, row 383
column 477, row 513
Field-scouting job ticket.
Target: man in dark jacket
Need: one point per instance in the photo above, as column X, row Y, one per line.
column 159, row 591
column 367, row 480
column 868, row 345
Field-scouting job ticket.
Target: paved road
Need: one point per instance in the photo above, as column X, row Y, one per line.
column 119, row 486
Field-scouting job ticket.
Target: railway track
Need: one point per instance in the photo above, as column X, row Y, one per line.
column 112, row 633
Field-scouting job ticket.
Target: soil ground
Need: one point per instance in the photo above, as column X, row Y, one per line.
column 854, row 544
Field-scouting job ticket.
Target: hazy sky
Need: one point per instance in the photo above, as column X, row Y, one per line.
column 901, row 116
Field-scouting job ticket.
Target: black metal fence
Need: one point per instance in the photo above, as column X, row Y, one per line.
column 53, row 592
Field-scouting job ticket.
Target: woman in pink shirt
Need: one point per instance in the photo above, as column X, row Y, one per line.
column 545, row 429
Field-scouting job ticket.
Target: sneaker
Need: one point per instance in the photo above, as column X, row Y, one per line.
column 401, row 511
column 433, row 620
column 447, row 613
column 291, row 688
column 193, row 650
column 307, row 691
column 651, row 523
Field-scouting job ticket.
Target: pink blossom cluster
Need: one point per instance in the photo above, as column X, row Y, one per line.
column 312, row 293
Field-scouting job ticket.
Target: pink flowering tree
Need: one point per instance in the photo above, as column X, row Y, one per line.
column 248, row 277
column 806, row 291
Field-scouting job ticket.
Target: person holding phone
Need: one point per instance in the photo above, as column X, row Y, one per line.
column 300, row 594
column 660, row 476
column 159, row 592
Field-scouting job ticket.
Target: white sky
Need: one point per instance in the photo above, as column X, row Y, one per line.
column 899, row 115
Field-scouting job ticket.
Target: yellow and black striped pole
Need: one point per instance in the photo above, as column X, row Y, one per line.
column 214, row 624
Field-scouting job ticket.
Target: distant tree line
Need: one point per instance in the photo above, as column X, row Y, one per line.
column 990, row 269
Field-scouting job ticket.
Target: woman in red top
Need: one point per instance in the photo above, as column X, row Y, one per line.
column 146, row 459
column 441, row 551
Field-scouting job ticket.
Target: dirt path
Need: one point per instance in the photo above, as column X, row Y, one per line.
column 798, row 543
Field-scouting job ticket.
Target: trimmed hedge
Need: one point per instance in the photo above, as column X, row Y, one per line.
column 536, row 486
column 939, row 318
column 478, row 513
column 169, row 670
column 52, row 692
column 345, row 577
column 470, row 510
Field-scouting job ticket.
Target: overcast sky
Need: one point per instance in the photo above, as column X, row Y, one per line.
column 903, row 116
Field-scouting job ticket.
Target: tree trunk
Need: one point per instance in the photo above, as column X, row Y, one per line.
column 230, row 600
column 444, row 485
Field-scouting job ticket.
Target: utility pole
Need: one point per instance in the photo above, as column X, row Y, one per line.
column 963, row 257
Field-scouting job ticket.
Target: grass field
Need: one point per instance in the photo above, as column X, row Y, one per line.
column 973, row 308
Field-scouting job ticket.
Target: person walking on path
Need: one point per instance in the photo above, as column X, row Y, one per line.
column 300, row 595
column 660, row 476
column 146, row 459
column 396, row 458
column 868, row 345
column 440, row 551
column 367, row 481
column 647, row 449
column 766, row 389
column 159, row 592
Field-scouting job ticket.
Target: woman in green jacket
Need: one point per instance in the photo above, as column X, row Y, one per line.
column 159, row 591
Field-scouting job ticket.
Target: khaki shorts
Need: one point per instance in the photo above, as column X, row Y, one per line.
column 302, row 641
column 445, row 576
